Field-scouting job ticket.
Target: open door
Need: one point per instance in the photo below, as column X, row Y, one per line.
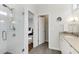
column 41, row 30
column 30, row 30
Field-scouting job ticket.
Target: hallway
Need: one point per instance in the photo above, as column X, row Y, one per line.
column 43, row 49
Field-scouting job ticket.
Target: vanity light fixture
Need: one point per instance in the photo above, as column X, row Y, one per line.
column 73, row 19
column 76, row 18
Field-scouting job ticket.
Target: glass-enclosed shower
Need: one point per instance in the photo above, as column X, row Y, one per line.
column 7, row 27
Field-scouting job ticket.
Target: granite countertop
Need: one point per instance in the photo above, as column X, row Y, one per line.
column 70, row 34
column 73, row 42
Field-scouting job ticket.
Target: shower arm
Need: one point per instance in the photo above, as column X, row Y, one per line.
column 7, row 7
column 11, row 9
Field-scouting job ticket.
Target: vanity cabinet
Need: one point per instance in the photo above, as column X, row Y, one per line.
column 72, row 51
column 65, row 47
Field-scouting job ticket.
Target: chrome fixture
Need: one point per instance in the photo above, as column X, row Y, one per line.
column 7, row 7
column 11, row 9
column 59, row 18
column 4, row 35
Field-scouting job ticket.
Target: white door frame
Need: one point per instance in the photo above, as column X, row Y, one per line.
column 48, row 27
column 26, row 30
column 32, row 24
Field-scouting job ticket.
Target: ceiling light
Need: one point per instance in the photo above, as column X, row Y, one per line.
column 73, row 19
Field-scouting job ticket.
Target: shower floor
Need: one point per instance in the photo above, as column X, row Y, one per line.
column 7, row 53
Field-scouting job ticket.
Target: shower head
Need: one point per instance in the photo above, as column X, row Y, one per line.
column 7, row 7
column 4, row 5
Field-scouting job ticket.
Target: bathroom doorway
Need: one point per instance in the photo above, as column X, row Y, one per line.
column 43, row 29
column 30, row 30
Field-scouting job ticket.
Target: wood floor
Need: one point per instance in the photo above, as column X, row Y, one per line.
column 43, row 49
column 30, row 46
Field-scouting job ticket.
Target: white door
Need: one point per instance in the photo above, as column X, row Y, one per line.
column 41, row 30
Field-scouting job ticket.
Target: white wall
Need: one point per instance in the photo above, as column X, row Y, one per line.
column 54, row 26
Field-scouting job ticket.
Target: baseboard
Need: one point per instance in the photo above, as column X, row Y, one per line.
column 54, row 49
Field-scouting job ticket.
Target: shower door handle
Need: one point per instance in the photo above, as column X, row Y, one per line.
column 4, row 35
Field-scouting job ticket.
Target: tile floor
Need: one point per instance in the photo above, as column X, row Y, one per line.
column 43, row 49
